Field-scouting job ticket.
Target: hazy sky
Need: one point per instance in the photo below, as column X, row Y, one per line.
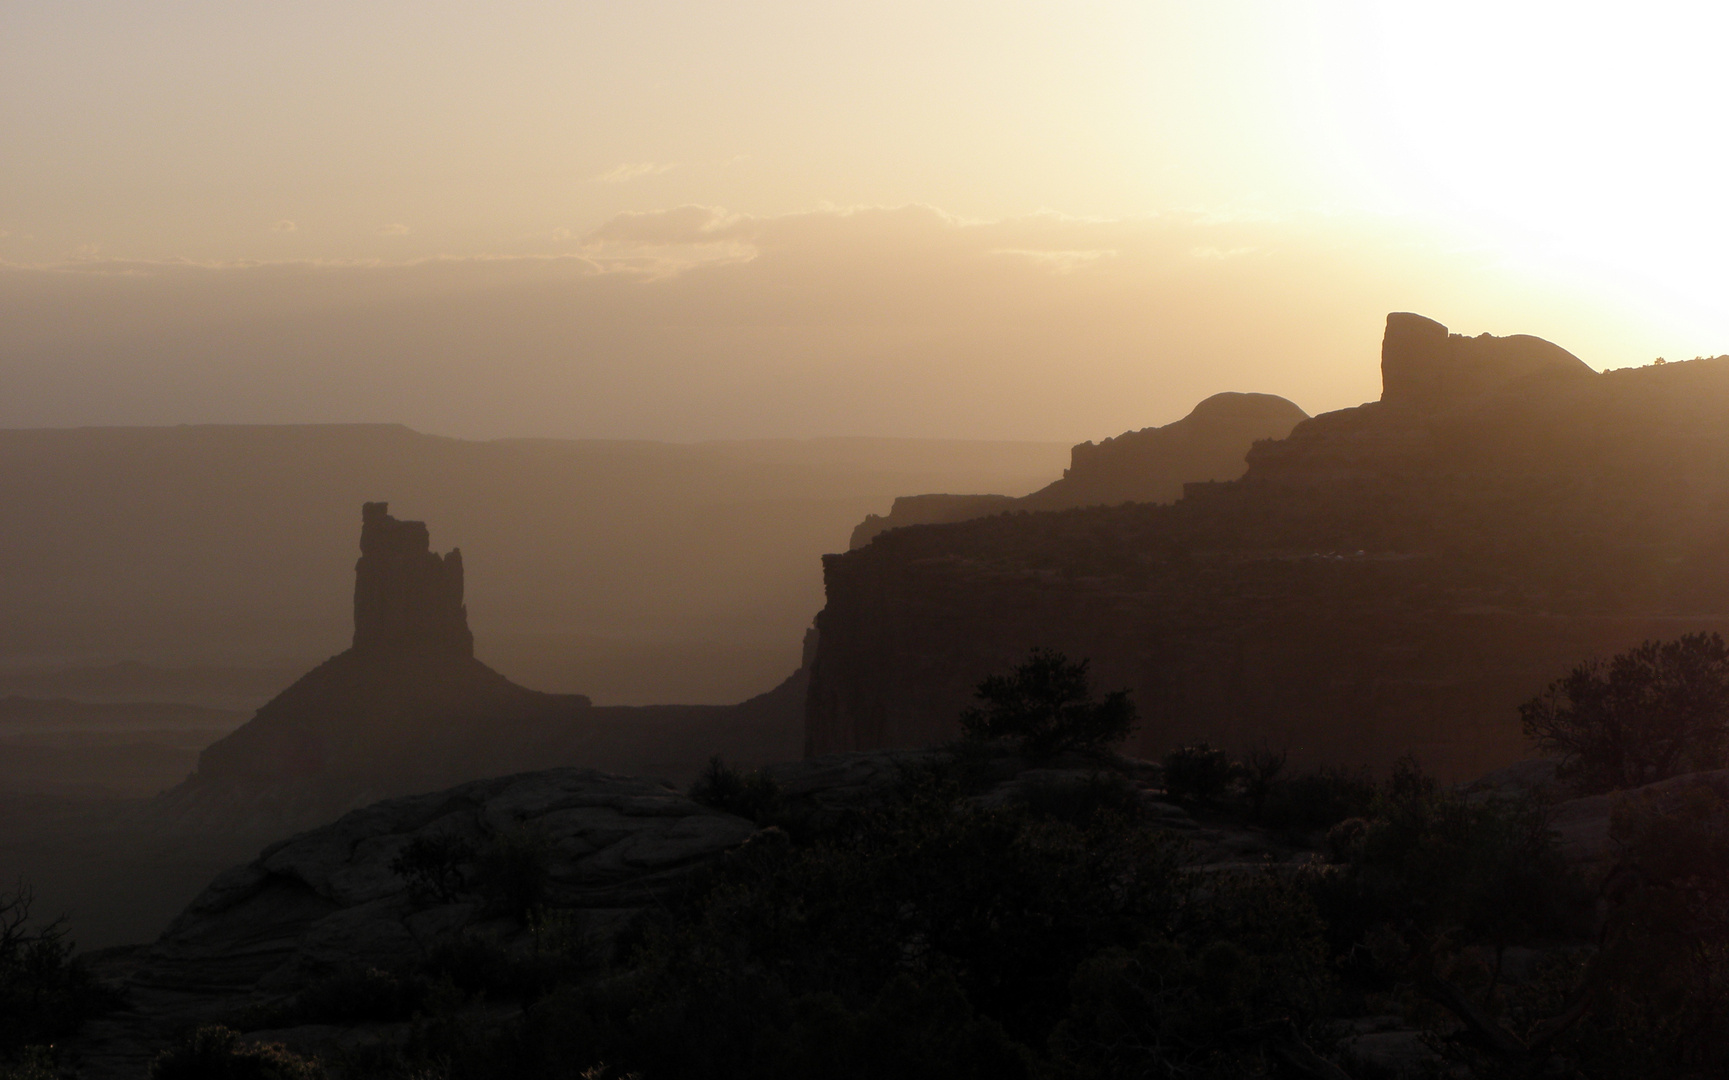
column 683, row 220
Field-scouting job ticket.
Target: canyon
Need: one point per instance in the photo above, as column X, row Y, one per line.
column 1387, row 580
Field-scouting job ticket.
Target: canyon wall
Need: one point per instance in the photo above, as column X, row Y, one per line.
column 1390, row 579
column 1149, row 465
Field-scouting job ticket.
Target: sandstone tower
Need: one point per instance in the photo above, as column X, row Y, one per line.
column 407, row 598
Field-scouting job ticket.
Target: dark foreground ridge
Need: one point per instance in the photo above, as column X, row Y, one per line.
column 1391, row 578
column 539, row 924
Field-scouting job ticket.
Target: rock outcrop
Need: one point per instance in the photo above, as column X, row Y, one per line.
column 407, row 598
column 1425, row 367
column 1150, row 465
column 408, row 708
column 929, row 510
column 1153, row 464
column 1389, row 579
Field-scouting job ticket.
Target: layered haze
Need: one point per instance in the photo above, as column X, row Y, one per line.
column 681, row 221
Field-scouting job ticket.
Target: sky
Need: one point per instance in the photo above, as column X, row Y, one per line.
column 683, row 220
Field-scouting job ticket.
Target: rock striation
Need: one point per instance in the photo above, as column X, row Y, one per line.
column 1150, row 465
column 1389, row 579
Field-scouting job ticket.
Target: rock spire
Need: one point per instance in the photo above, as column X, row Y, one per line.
column 407, row 598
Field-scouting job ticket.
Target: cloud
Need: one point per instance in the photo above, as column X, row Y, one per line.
column 695, row 322
column 1063, row 262
column 679, row 225
column 393, row 229
column 284, row 226
column 631, row 170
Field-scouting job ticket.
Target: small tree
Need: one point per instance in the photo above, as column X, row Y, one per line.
column 1650, row 713
column 1047, row 704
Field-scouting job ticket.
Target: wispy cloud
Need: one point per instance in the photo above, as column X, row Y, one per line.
column 631, row 170
column 284, row 226
column 395, row 228
column 1063, row 262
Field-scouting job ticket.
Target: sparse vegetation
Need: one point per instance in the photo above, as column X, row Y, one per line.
column 435, row 867
column 1199, row 773
column 45, row 994
column 751, row 795
column 219, row 1053
column 1647, row 714
column 1046, row 705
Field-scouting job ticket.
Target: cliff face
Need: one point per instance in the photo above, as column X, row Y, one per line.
column 1388, row 579
column 1153, row 464
column 1150, row 465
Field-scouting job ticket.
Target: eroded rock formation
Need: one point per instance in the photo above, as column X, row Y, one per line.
column 1388, row 579
column 407, row 598
column 1150, row 465
column 408, row 708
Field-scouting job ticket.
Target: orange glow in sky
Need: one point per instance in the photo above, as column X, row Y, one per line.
column 1544, row 168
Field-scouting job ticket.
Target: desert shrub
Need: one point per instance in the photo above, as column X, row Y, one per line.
column 1198, row 1002
column 933, row 937
column 1649, row 713
column 1046, row 706
column 434, row 866
column 1082, row 801
column 513, row 870
column 1260, row 771
column 219, row 1053
column 359, row 995
column 723, row 787
column 34, row 1063
column 1663, row 1004
column 1198, row 773
column 557, row 951
column 44, row 993
column 1317, row 800
column 1428, row 870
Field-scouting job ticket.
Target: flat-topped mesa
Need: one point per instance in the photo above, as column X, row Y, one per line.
column 407, row 598
column 1425, row 367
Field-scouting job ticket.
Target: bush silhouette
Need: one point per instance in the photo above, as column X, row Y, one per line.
column 1046, row 704
column 1198, row 773
column 218, row 1053
column 1647, row 714
column 45, row 993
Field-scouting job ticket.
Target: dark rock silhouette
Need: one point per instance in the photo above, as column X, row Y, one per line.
column 408, row 708
column 407, row 598
column 1425, row 367
column 929, row 510
column 1150, row 465
column 1391, row 578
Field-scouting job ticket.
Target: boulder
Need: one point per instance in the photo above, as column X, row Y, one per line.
column 328, row 899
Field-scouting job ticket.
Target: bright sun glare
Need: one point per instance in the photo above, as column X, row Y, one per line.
column 1588, row 138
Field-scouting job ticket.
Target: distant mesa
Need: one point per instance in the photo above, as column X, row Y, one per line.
column 1387, row 579
column 1425, row 367
column 1150, row 465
